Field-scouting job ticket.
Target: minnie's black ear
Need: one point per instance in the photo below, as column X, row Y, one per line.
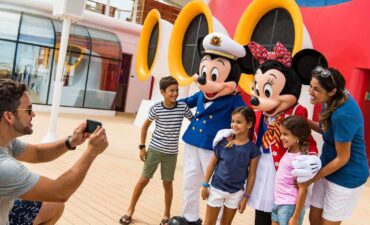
column 305, row 61
column 247, row 63
column 200, row 47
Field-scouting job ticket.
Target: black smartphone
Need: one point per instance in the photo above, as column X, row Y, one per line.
column 91, row 125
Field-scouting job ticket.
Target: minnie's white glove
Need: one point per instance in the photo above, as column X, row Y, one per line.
column 221, row 134
column 306, row 167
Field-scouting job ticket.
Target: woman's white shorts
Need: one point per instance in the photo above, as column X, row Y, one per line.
column 336, row 201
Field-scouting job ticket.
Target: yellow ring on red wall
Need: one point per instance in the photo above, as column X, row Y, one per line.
column 187, row 14
column 142, row 70
column 249, row 20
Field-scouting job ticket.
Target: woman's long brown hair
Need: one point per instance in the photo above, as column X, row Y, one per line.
column 335, row 101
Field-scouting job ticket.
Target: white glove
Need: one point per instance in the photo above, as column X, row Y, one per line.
column 306, row 167
column 224, row 133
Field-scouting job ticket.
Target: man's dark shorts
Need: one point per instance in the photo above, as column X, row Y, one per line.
column 24, row 212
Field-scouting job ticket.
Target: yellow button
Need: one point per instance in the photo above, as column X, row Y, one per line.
column 193, row 128
column 210, row 116
column 200, row 130
column 198, row 112
column 197, row 119
column 204, row 121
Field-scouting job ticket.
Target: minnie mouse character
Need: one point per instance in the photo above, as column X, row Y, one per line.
column 219, row 73
column 277, row 86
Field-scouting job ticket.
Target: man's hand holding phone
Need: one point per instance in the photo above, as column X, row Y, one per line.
column 91, row 126
column 98, row 141
column 84, row 131
column 79, row 136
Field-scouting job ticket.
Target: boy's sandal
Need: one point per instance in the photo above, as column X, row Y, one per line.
column 164, row 222
column 125, row 220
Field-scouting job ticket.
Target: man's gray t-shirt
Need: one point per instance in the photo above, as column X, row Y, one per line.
column 15, row 178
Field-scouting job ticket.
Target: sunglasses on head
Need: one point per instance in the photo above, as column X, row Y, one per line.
column 29, row 110
column 324, row 73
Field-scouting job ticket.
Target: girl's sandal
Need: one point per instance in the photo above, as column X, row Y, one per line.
column 164, row 222
column 125, row 220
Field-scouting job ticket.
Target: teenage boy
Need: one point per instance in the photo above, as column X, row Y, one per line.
column 168, row 115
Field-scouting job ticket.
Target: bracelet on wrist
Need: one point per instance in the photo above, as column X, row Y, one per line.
column 206, row 185
column 68, row 143
column 141, row 146
column 246, row 195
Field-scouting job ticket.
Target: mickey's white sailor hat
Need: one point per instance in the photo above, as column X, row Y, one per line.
column 222, row 45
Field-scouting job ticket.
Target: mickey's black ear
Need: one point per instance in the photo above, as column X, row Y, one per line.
column 247, row 63
column 305, row 61
column 200, row 47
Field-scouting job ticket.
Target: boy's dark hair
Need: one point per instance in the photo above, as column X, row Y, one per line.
column 165, row 82
column 298, row 126
column 10, row 95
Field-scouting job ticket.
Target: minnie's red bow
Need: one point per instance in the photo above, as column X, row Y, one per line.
column 280, row 53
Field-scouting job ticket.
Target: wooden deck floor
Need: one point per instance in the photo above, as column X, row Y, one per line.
column 105, row 194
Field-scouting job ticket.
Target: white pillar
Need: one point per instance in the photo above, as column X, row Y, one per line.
column 107, row 6
column 51, row 135
column 134, row 14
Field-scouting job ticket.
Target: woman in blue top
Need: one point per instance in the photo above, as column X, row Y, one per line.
column 232, row 163
column 344, row 162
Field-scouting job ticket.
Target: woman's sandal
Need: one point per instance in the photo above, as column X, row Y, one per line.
column 164, row 222
column 125, row 220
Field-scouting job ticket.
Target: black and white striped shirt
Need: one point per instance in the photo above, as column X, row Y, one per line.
column 168, row 122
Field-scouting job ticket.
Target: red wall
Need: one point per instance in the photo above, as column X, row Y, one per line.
column 229, row 12
column 360, row 84
column 341, row 32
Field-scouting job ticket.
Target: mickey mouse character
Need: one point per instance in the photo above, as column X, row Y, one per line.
column 219, row 73
column 277, row 86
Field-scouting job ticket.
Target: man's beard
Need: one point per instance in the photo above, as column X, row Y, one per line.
column 20, row 128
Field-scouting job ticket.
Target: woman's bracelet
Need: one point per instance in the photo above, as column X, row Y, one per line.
column 206, row 185
column 246, row 195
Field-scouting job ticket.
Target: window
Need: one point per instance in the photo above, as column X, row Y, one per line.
column 37, row 30
column 198, row 28
column 33, row 66
column 153, row 43
column 74, row 79
column 105, row 44
column 276, row 26
column 90, row 77
column 102, row 83
column 78, row 38
column 9, row 24
column 7, row 50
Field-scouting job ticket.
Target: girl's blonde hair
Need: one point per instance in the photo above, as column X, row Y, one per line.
column 249, row 116
column 298, row 126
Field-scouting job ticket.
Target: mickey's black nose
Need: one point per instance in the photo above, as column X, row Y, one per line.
column 254, row 101
column 202, row 80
